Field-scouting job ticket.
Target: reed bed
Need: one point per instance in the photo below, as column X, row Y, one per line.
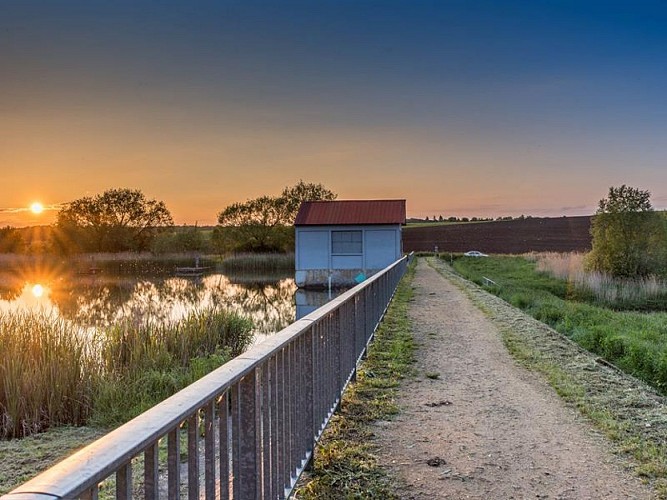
column 259, row 262
column 643, row 294
column 52, row 373
column 47, row 374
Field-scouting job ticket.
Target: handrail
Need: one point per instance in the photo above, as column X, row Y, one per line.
column 260, row 414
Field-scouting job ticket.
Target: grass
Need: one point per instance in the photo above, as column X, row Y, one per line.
column 21, row 459
column 625, row 410
column 344, row 465
column 51, row 373
column 635, row 342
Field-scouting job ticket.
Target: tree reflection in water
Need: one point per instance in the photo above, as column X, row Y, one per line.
column 93, row 301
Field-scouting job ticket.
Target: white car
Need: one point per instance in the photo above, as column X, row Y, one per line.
column 475, row 253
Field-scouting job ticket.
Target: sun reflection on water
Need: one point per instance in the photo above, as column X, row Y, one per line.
column 101, row 300
column 38, row 290
column 90, row 302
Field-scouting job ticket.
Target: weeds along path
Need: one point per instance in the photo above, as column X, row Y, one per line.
column 475, row 424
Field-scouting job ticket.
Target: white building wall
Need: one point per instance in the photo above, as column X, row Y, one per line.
column 315, row 263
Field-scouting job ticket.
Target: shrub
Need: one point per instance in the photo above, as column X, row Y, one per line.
column 629, row 238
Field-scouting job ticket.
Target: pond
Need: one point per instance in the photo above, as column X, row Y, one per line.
column 96, row 300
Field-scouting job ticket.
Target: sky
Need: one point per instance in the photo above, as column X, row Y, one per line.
column 464, row 108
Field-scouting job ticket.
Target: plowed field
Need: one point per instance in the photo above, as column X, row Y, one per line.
column 559, row 234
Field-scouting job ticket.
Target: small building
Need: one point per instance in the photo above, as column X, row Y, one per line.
column 341, row 243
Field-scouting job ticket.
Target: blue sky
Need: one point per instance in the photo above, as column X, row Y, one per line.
column 464, row 108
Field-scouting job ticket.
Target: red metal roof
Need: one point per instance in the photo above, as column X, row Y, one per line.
column 349, row 212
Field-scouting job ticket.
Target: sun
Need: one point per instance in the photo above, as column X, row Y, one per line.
column 37, row 208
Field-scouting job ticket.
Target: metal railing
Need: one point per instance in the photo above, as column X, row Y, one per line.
column 247, row 429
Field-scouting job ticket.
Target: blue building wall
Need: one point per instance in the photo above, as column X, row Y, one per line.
column 316, row 263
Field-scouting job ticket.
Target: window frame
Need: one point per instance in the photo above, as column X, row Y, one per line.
column 360, row 232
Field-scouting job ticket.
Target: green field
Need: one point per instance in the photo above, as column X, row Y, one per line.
column 636, row 342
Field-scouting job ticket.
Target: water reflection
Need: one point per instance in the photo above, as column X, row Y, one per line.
column 308, row 301
column 101, row 300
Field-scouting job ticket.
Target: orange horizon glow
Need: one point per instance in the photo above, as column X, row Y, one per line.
column 517, row 108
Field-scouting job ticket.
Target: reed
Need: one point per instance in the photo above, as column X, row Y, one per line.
column 47, row 375
column 128, row 347
column 259, row 262
column 642, row 294
column 52, row 374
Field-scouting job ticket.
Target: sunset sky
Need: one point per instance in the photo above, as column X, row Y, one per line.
column 462, row 107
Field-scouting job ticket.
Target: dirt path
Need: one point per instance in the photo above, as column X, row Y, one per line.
column 474, row 424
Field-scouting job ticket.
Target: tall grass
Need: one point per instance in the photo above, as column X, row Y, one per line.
column 259, row 262
column 53, row 374
column 47, row 374
column 634, row 341
column 643, row 294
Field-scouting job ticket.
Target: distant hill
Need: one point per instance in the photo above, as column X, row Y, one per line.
column 558, row 234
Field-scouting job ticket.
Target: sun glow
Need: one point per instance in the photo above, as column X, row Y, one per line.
column 38, row 290
column 37, row 208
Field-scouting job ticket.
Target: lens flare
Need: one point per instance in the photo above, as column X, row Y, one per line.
column 38, row 290
column 37, row 208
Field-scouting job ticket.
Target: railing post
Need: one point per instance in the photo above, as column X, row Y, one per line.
column 124, row 482
column 249, row 470
column 265, row 427
column 223, row 445
column 308, row 382
column 193, row 456
column 276, row 486
column 151, row 472
column 173, row 463
column 209, row 450
column 236, row 439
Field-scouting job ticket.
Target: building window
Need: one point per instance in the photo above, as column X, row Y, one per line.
column 346, row 242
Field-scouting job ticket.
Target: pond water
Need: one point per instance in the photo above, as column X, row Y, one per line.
column 90, row 301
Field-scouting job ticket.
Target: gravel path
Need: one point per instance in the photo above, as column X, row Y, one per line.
column 474, row 424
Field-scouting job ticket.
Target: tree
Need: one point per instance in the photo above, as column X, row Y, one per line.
column 116, row 220
column 256, row 225
column 11, row 240
column 264, row 224
column 178, row 240
column 629, row 237
column 292, row 197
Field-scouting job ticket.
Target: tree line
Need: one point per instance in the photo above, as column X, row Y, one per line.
column 440, row 218
column 629, row 238
column 122, row 220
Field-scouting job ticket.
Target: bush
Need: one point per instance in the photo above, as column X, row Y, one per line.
column 629, row 238
column 181, row 240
